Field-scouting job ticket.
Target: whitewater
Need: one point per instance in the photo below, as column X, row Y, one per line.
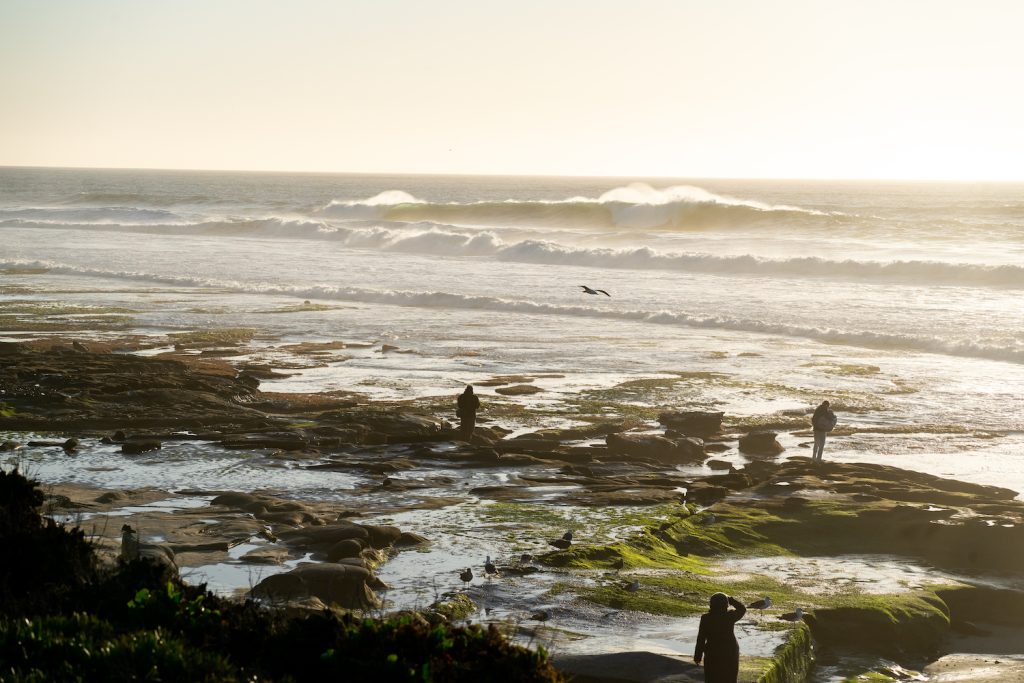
column 790, row 289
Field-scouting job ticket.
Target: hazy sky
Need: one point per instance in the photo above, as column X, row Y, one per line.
column 693, row 88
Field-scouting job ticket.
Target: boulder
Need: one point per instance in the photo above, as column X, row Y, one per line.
column 344, row 585
column 760, row 443
column 139, row 447
column 703, row 493
column 348, row 547
column 381, row 536
column 702, row 423
column 658, row 448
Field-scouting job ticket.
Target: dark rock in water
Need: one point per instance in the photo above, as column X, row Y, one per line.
column 9, row 446
column 281, row 441
column 703, row 493
column 382, row 536
column 342, row 584
column 409, row 539
column 348, row 547
column 518, row 390
column 734, row 481
column 656, row 447
column 718, row 464
column 71, row 445
column 716, row 447
column 760, row 443
column 700, row 423
column 138, row 447
column 794, row 503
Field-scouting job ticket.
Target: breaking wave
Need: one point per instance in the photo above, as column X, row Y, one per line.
column 636, row 206
column 452, row 241
column 434, row 299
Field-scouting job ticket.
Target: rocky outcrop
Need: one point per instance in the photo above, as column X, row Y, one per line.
column 344, row 585
column 699, row 423
column 760, row 443
column 684, row 451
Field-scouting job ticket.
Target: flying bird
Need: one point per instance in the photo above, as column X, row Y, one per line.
column 588, row 290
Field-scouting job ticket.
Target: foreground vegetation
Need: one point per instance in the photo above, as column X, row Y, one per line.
column 67, row 616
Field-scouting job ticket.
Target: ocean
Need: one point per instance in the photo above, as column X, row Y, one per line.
column 900, row 302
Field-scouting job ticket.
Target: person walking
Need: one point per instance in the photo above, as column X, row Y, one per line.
column 468, row 404
column 823, row 421
column 716, row 642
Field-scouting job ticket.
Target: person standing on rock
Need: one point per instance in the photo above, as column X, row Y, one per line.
column 716, row 642
column 823, row 421
column 468, row 404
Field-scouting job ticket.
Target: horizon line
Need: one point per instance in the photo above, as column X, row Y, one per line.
column 510, row 175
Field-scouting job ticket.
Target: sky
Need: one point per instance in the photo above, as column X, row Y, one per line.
column 902, row 89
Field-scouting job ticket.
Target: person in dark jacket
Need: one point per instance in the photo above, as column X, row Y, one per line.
column 468, row 404
column 823, row 421
column 716, row 643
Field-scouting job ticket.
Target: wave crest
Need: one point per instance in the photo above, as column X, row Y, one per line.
column 635, row 206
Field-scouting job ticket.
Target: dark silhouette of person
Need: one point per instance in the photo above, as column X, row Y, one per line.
column 468, row 404
column 823, row 421
column 716, row 643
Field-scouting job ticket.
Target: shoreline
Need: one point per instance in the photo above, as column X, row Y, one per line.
column 391, row 453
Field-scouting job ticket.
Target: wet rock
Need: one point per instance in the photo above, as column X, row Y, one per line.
column 734, row 481
column 382, row 536
column 703, row 493
column 348, row 547
column 322, row 538
column 333, row 584
column 283, row 441
column 139, row 447
column 518, row 390
column 718, row 464
column 9, row 446
column 701, row 423
column 71, row 445
column 409, row 540
column 655, row 447
column 760, row 443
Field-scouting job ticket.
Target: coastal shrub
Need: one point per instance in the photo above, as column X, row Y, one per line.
column 83, row 648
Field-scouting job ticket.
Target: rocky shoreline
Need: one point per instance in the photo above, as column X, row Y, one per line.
column 69, row 397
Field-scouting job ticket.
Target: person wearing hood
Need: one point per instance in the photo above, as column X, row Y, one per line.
column 716, row 642
column 823, row 421
column 468, row 404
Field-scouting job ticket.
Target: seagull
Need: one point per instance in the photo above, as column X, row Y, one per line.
column 588, row 290
column 618, row 564
column 541, row 615
column 525, row 558
column 567, row 536
column 489, row 566
column 633, row 586
column 466, row 575
column 798, row 615
column 761, row 605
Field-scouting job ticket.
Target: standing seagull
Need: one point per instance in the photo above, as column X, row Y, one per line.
column 761, row 605
column 489, row 566
column 588, row 290
column 466, row 575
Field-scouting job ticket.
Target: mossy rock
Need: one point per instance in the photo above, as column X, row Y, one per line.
column 891, row 625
